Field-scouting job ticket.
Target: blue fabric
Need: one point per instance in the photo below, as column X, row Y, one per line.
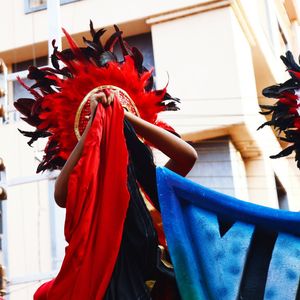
column 210, row 265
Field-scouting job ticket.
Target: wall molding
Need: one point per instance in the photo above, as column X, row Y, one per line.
column 206, row 7
column 188, row 11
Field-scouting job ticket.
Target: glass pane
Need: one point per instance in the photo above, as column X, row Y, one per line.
column 36, row 3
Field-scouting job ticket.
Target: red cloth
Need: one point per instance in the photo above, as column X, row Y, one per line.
column 96, row 208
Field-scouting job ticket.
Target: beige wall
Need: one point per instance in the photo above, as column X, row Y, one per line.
column 198, row 75
column 19, row 158
column 215, row 77
column 31, row 30
column 27, row 241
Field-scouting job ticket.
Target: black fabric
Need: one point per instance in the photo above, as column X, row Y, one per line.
column 142, row 160
column 257, row 265
column 138, row 259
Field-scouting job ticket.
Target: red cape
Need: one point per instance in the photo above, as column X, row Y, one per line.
column 96, row 208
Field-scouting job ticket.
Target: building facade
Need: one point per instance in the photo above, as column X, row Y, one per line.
column 215, row 55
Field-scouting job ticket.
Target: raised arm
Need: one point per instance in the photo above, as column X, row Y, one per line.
column 182, row 155
column 61, row 184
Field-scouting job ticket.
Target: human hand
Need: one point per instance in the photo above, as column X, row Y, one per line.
column 105, row 97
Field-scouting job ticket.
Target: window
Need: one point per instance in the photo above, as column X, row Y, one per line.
column 36, row 5
column 219, row 167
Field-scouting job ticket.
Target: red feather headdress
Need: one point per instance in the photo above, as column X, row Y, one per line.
column 285, row 113
column 59, row 91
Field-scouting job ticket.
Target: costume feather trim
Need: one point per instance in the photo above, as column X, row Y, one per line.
column 285, row 113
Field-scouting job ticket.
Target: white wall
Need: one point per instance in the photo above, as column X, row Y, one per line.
column 27, row 243
column 209, row 60
column 198, row 54
column 32, row 28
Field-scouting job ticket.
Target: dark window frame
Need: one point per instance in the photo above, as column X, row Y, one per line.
column 29, row 10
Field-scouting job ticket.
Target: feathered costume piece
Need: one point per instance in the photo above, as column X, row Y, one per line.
column 285, row 113
column 59, row 91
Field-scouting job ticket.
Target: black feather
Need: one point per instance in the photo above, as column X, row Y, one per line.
column 54, row 58
column 290, row 62
column 285, row 152
column 97, row 38
column 92, row 30
column 112, row 40
column 24, row 106
column 91, row 44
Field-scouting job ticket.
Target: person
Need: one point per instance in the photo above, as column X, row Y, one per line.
column 108, row 180
column 182, row 155
column 131, row 271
